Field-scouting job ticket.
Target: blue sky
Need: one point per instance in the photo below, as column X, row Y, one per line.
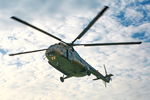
column 33, row 78
column 139, row 7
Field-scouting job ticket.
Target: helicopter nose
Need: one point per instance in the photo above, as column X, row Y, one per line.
column 52, row 51
column 49, row 52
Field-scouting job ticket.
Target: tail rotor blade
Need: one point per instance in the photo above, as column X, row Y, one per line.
column 105, row 70
column 105, row 84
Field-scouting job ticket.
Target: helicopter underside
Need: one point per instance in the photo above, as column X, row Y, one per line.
column 66, row 66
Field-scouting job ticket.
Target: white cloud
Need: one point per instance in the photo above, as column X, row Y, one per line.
column 36, row 79
column 132, row 14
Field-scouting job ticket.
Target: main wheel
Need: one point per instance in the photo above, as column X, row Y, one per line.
column 61, row 79
column 88, row 73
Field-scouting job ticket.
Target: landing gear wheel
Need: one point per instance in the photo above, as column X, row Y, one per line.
column 61, row 79
column 88, row 73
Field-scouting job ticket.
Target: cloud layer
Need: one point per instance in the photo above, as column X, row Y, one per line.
column 30, row 77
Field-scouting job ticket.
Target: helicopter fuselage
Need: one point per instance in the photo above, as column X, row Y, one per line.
column 65, row 59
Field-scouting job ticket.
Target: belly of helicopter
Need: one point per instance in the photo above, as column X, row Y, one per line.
column 66, row 66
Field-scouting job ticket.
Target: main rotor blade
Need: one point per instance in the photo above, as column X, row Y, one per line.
column 108, row 44
column 26, row 23
column 91, row 23
column 26, row 52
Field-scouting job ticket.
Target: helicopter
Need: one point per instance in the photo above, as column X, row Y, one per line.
column 63, row 57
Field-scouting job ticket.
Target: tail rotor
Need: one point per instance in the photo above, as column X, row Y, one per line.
column 107, row 76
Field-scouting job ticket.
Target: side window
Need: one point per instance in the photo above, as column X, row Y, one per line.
column 67, row 53
column 70, row 55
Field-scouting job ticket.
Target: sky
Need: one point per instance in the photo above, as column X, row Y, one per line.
column 30, row 77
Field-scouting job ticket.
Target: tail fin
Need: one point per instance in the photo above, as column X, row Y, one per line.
column 108, row 77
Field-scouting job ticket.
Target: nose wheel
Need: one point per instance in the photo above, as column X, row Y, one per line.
column 63, row 78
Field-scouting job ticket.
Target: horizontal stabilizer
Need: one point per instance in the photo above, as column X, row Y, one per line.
column 96, row 79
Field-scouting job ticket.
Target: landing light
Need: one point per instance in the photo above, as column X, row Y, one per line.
column 53, row 58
